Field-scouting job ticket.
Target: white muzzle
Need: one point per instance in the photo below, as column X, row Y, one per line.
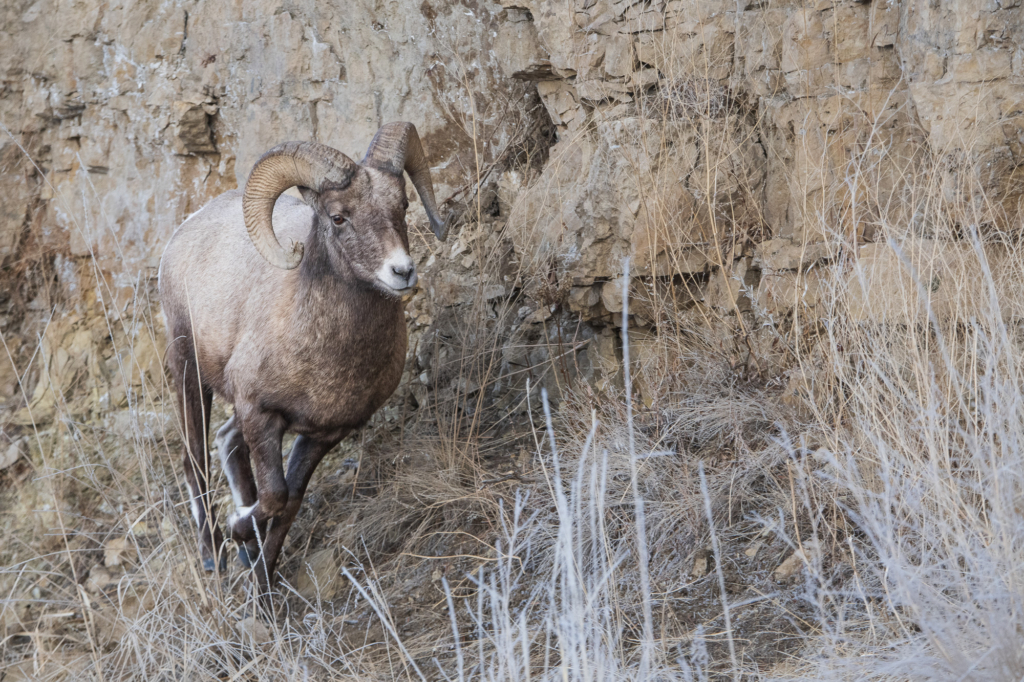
column 398, row 271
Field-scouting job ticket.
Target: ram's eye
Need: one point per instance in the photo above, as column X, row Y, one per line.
column 337, row 219
column 405, row 204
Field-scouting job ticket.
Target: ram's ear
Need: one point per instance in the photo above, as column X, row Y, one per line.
column 310, row 196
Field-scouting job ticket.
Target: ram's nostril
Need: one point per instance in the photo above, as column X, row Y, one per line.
column 403, row 271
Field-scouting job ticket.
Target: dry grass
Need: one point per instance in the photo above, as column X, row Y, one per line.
column 863, row 428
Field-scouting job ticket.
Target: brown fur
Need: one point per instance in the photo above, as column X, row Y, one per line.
column 314, row 351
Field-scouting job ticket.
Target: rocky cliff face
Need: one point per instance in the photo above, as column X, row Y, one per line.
column 709, row 141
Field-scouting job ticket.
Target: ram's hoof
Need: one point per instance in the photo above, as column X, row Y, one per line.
column 247, row 556
column 209, row 564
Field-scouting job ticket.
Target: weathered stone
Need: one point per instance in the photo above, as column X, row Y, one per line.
column 852, row 28
column 884, row 23
column 599, row 18
column 192, row 131
column 138, row 116
column 790, row 566
column 618, row 56
column 12, row 453
column 117, row 552
column 729, row 289
column 601, row 362
column 599, row 91
column 681, row 53
column 987, row 64
column 781, row 292
column 643, row 23
column 559, row 100
column 929, row 277
column 320, row 576
column 635, row 10
column 520, row 54
column 643, row 78
column 253, row 630
column 17, row 198
column 582, row 299
column 804, row 46
column 622, row 6
column 611, row 295
column 785, row 254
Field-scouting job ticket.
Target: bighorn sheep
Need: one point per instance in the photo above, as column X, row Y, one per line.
column 309, row 339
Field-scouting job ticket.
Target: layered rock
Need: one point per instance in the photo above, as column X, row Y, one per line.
column 782, row 102
column 121, row 119
column 716, row 144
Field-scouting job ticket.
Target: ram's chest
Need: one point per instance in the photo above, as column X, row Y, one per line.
column 354, row 383
column 331, row 381
column 337, row 383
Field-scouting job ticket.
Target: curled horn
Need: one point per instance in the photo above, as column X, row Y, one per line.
column 396, row 147
column 292, row 164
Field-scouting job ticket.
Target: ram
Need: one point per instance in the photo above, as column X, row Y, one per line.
column 309, row 339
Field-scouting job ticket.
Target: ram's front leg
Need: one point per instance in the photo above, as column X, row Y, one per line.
column 302, row 462
column 263, row 432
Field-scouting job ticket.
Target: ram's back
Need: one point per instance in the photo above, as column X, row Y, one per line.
column 217, row 289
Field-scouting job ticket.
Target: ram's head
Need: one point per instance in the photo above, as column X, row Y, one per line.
column 359, row 207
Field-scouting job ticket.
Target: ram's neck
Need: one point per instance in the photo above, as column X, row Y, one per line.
column 333, row 306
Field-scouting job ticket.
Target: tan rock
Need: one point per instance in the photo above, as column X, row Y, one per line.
column 780, row 292
column 192, row 127
column 622, row 6
column 927, row 275
column 520, row 54
column 884, row 23
column 558, row 99
column 254, row 630
column 643, row 23
column 618, row 56
column 99, row 579
column 17, row 192
column 804, row 46
column 599, row 91
column 599, row 18
column 725, row 289
column 785, row 254
column 644, row 78
column 601, row 361
column 611, row 295
column 125, row 84
column 320, row 576
column 701, row 564
column 987, row 64
column 12, row 453
column 118, row 552
column 790, row 566
column 634, row 10
column 581, row 299
column 852, row 27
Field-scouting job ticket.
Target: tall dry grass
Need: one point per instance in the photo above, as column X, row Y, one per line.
column 637, row 534
column 925, row 388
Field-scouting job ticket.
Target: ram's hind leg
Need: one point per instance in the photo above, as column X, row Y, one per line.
column 234, row 458
column 196, row 401
column 262, row 432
